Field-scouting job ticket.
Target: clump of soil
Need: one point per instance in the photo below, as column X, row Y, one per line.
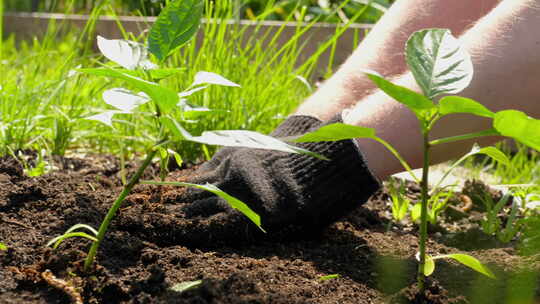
column 140, row 260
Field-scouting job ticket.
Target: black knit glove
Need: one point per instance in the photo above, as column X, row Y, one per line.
column 294, row 194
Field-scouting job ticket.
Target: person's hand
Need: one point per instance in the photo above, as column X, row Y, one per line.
column 293, row 194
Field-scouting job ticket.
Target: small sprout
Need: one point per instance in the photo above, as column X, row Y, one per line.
column 55, row 242
column 329, row 277
column 185, row 286
column 3, row 246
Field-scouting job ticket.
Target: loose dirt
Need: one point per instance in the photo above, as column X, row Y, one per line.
column 143, row 262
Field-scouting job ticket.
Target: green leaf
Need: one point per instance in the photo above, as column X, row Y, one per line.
column 429, row 265
column 470, row 262
column 235, row 138
column 438, row 62
column 519, row 126
column 177, row 23
column 3, row 246
column 329, row 277
column 418, row 103
column 123, row 99
column 128, row 54
column 494, row 153
column 233, row 202
column 164, row 97
column 184, row 286
column 456, row 104
column 336, row 131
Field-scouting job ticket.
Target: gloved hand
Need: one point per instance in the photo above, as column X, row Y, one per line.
column 294, row 194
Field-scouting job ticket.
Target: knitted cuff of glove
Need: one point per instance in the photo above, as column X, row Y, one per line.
column 336, row 186
column 296, row 125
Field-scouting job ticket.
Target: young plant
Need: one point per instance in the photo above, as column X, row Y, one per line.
column 400, row 203
column 440, row 66
column 176, row 25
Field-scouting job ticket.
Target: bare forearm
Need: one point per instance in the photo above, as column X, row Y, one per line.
column 382, row 50
column 506, row 58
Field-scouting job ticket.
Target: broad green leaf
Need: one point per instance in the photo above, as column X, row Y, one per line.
column 456, row 104
column 233, row 202
column 212, row 78
column 164, row 97
column 470, row 262
column 429, row 265
column 3, row 246
column 519, row 126
column 418, row 103
column 177, row 23
column 124, row 100
column 128, row 54
column 235, row 138
column 438, row 62
column 329, row 277
column 336, row 131
column 184, row 286
column 59, row 239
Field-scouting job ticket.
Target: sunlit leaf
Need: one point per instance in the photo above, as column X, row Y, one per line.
column 519, row 126
column 190, row 92
column 235, row 138
column 177, row 23
column 456, row 104
column 418, row 103
column 59, row 239
column 124, row 99
column 212, row 78
column 438, row 62
column 336, row 131
column 470, row 262
column 184, row 286
column 3, row 246
column 492, row 152
column 195, row 112
column 104, row 118
column 164, row 97
column 128, row 54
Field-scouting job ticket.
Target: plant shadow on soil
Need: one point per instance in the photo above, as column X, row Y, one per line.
column 139, row 263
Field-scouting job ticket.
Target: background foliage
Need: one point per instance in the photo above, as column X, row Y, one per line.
column 302, row 10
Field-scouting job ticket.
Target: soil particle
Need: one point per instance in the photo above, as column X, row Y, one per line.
column 145, row 252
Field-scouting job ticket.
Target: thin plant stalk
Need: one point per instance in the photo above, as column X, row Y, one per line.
column 116, row 205
column 423, row 213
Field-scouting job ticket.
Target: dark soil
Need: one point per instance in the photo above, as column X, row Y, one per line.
column 373, row 257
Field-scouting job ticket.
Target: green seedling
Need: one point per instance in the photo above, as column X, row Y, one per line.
column 492, row 225
column 440, row 66
column 400, row 203
column 162, row 106
column 3, row 246
column 437, row 203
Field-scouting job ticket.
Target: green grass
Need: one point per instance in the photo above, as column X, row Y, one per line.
column 43, row 102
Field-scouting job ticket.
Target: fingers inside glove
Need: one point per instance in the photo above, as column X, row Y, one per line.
column 206, row 207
